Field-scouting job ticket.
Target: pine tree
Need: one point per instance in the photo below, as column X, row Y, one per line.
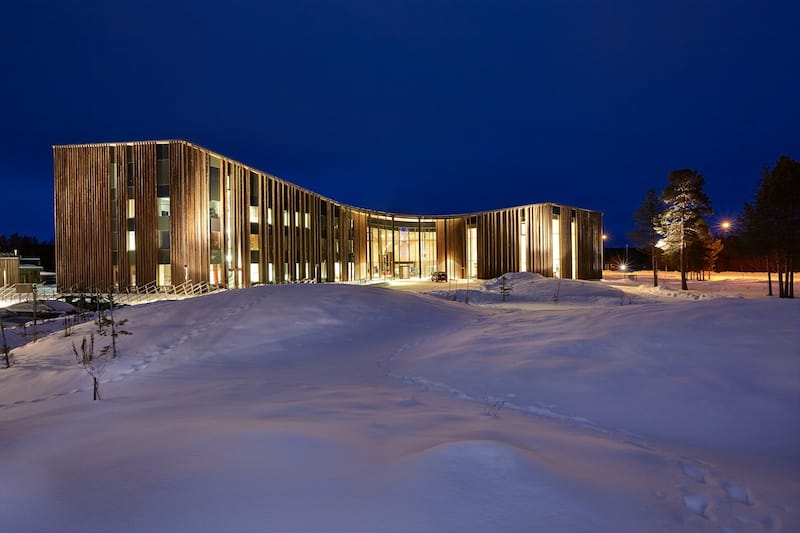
column 685, row 205
column 647, row 232
column 772, row 222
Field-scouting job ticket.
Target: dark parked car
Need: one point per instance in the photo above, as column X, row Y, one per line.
column 89, row 302
column 439, row 276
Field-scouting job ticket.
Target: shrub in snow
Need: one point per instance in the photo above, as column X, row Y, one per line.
column 493, row 407
column 505, row 287
column 92, row 363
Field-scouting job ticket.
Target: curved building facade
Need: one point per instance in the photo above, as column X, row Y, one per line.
column 165, row 212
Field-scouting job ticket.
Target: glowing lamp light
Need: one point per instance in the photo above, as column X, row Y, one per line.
column 623, row 267
column 605, row 236
column 726, row 225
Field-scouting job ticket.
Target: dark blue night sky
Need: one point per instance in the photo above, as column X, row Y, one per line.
column 429, row 107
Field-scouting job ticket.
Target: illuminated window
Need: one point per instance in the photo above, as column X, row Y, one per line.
column 164, row 275
column 574, row 232
column 472, row 248
column 556, row 249
column 163, row 207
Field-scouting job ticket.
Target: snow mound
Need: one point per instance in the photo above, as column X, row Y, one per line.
column 528, row 287
column 685, row 295
column 512, row 278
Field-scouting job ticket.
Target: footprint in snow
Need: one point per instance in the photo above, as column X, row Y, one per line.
column 696, row 503
column 693, row 472
column 736, row 493
column 412, row 402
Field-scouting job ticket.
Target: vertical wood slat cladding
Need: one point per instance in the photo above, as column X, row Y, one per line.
column 289, row 235
column 83, row 217
column 239, row 221
column 498, row 235
column 360, row 244
column 263, row 229
column 329, row 242
column 590, row 245
column 144, row 163
column 441, row 247
column 277, row 233
column 451, row 246
column 542, row 239
column 9, row 271
column 341, row 235
column 457, row 245
column 565, row 244
column 483, row 244
column 120, row 276
column 83, row 225
column 529, row 260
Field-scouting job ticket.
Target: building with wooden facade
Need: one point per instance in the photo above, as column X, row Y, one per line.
column 165, row 212
column 9, row 269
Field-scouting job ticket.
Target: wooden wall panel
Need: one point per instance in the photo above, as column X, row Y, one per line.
column 144, row 163
column 82, row 206
column 9, row 270
column 565, row 244
column 457, row 246
column 542, row 239
column 485, row 244
column 360, row 245
column 84, row 231
column 590, row 244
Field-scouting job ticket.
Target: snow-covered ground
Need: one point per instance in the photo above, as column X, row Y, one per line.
column 571, row 407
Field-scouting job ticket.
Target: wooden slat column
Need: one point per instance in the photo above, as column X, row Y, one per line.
column 82, row 209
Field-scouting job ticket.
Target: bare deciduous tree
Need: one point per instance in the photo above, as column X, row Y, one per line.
column 93, row 363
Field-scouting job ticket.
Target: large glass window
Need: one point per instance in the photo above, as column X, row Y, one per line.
column 402, row 248
column 162, row 170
